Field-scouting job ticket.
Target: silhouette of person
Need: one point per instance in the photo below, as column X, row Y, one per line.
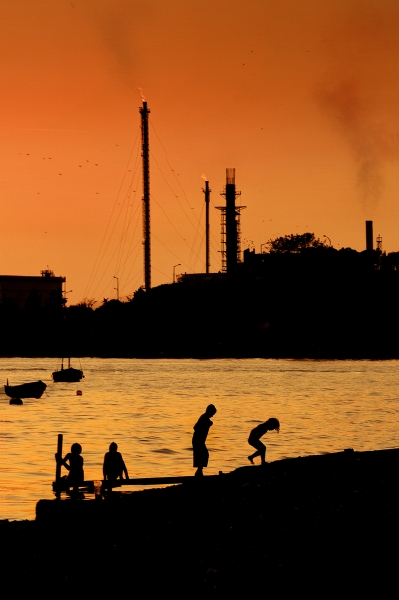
column 256, row 434
column 114, row 466
column 201, row 429
column 73, row 462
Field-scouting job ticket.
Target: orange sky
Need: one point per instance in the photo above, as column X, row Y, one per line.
column 300, row 96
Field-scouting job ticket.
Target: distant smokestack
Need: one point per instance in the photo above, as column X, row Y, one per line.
column 145, row 153
column 230, row 224
column 369, row 235
column 231, row 221
column 207, row 193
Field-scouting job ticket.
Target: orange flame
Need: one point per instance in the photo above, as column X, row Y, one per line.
column 142, row 95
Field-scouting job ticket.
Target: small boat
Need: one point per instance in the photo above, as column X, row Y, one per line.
column 68, row 374
column 34, row 389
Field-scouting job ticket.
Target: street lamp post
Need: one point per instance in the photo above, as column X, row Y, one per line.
column 117, row 287
column 261, row 246
column 174, row 267
column 327, row 238
column 65, row 299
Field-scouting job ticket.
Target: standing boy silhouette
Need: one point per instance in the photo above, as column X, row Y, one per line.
column 201, row 429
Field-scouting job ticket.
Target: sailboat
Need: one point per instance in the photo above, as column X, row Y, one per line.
column 67, row 374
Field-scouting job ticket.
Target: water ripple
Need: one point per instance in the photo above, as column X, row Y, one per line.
column 149, row 408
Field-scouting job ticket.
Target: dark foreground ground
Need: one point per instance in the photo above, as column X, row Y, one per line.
column 318, row 526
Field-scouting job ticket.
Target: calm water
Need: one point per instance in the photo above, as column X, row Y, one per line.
column 149, row 407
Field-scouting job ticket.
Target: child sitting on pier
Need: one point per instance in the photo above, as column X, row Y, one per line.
column 75, row 466
column 114, row 466
column 256, row 434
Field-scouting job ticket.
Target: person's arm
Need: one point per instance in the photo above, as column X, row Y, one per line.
column 104, row 467
column 124, row 470
column 62, row 461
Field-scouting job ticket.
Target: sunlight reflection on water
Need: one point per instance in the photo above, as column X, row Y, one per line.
column 150, row 406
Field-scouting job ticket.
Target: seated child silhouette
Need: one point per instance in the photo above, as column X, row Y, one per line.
column 73, row 462
column 114, row 466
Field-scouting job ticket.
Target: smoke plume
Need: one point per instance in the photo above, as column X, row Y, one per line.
column 359, row 92
column 370, row 142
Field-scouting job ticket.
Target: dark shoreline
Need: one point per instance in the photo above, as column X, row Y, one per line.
column 314, row 525
column 226, row 356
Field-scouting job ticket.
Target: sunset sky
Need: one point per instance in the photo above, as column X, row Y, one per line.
column 299, row 96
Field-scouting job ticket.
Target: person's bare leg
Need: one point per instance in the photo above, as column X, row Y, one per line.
column 198, row 472
column 252, row 456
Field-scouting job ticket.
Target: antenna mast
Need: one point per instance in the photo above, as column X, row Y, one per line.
column 144, row 111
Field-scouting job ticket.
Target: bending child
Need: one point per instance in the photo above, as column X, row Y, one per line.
column 256, row 434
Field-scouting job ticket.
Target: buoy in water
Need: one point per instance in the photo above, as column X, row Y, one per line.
column 79, row 392
column 16, row 401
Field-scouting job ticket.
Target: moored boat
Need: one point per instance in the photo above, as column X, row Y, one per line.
column 69, row 374
column 33, row 389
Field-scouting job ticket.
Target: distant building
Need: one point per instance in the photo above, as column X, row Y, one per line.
column 200, row 279
column 17, row 289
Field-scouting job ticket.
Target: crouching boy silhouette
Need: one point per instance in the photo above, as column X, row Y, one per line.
column 256, row 434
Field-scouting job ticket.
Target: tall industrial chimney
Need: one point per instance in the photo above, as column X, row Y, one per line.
column 144, row 111
column 207, row 192
column 230, row 224
column 369, row 235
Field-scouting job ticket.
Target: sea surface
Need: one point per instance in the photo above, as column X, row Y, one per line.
column 149, row 407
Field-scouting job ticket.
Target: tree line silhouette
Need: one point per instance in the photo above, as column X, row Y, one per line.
column 302, row 298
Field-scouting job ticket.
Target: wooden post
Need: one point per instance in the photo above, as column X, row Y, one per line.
column 59, row 455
